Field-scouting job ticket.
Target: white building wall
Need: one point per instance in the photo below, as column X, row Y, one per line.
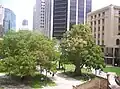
column 1, row 14
column 111, row 23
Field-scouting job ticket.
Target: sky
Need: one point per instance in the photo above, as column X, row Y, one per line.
column 24, row 8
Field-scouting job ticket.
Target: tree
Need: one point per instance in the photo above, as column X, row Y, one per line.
column 79, row 48
column 22, row 51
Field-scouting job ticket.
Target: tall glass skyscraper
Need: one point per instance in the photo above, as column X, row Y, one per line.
column 9, row 21
column 67, row 13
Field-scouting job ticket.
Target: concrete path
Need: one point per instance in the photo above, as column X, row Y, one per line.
column 63, row 82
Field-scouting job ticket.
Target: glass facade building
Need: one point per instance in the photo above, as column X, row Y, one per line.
column 9, row 21
column 59, row 18
column 67, row 13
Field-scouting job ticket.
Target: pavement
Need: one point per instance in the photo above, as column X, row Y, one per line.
column 63, row 82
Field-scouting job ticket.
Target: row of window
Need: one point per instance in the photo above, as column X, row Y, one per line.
column 99, row 35
column 99, row 42
column 99, row 15
column 42, row 26
column 99, row 22
column 99, row 28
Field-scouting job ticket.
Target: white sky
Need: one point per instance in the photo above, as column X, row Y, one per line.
column 24, row 8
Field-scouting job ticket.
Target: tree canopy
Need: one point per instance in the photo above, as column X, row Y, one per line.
column 78, row 47
column 22, row 51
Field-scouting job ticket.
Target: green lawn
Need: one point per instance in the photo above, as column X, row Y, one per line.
column 112, row 69
column 37, row 83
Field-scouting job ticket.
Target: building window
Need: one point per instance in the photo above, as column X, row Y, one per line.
column 91, row 17
column 98, row 35
column 103, row 13
column 103, row 21
column 117, row 42
column 98, row 42
column 98, row 21
column 94, row 22
column 94, row 29
column 102, row 42
column 102, row 28
column 91, row 23
column 94, row 35
column 99, row 15
column 119, row 20
column 95, row 16
column 98, row 28
column 119, row 12
column 102, row 34
column 119, row 28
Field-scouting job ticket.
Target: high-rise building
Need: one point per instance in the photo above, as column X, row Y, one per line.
column 54, row 17
column 68, row 12
column 24, row 25
column 7, row 20
column 1, row 20
column 105, row 24
column 42, row 16
column 34, row 18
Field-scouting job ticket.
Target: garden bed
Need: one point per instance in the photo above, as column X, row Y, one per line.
column 97, row 83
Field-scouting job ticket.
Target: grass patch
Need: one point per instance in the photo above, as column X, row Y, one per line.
column 86, row 74
column 112, row 69
column 36, row 81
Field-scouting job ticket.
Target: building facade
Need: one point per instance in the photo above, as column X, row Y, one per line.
column 54, row 17
column 1, row 20
column 42, row 17
column 68, row 12
column 24, row 25
column 105, row 24
column 7, row 20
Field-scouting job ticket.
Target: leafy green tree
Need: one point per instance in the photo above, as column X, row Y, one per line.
column 78, row 48
column 22, row 51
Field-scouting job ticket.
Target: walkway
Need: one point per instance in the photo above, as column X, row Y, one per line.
column 63, row 82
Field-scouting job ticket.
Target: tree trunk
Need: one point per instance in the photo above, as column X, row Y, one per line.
column 22, row 78
column 59, row 64
column 77, row 71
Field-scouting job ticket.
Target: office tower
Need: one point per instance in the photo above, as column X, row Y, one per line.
column 105, row 24
column 34, row 19
column 54, row 17
column 67, row 13
column 24, row 25
column 9, row 22
column 1, row 20
column 41, row 16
